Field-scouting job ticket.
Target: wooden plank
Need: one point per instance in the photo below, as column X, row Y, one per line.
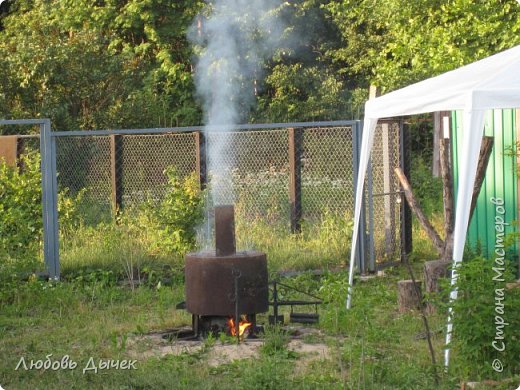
column 447, row 195
column 201, row 159
column 436, row 167
column 9, row 149
column 116, row 172
column 446, row 164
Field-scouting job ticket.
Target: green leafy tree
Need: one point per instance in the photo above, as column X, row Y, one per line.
column 303, row 82
column 393, row 43
column 94, row 65
column 20, row 210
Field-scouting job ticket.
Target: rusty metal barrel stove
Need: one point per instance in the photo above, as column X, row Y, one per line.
column 214, row 277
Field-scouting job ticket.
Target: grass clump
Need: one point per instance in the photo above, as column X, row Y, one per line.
column 276, row 340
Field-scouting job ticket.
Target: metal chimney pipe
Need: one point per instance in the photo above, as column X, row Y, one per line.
column 225, row 230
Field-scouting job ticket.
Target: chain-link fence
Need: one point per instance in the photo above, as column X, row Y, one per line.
column 297, row 179
column 384, row 198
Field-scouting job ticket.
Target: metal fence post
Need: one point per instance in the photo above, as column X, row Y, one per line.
column 295, row 177
column 357, row 133
column 49, row 200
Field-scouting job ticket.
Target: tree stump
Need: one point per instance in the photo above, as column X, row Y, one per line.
column 434, row 271
column 407, row 295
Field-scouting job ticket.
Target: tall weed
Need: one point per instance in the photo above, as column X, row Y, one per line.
column 476, row 321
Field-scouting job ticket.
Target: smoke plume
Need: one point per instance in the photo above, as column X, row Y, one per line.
column 233, row 39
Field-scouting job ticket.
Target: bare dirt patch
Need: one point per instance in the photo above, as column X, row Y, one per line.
column 158, row 345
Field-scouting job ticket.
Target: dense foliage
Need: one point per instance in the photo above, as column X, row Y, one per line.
column 98, row 64
column 21, row 225
column 178, row 214
column 395, row 42
column 128, row 63
column 20, row 209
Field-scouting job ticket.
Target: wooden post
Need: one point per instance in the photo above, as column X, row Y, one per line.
column 447, row 182
column 373, row 92
column 434, row 271
column 295, row 177
column 116, row 172
column 406, row 212
column 201, row 159
column 408, row 299
column 485, row 153
column 436, row 141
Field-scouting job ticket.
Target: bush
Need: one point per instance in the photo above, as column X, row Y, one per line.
column 20, row 209
column 21, row 226
column 178, row 214
column 476, row 313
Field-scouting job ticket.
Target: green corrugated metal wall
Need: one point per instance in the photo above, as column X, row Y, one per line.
column 500, row 181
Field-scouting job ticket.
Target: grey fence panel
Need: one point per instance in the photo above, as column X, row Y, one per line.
column 256, row 169
column 83, row 166
column 285, row 174
column 144, row 159
column 327, row 171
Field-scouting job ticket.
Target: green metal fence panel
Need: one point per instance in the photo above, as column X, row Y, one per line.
column 500, row 181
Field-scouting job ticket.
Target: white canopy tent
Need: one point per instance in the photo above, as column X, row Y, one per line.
column 493, row 82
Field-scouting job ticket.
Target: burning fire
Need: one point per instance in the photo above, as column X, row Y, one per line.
column 243, row 325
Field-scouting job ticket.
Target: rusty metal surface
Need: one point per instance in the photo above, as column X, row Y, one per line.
column 225, row 230
column 210, row 283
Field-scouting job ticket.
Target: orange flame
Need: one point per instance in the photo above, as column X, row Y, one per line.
column 243, row 325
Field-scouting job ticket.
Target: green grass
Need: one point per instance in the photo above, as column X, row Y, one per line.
column 91, row 314
column 128, row 247
column 322, row 243
column 372, row 346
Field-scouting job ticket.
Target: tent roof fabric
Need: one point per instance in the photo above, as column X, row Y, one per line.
column 497, row 75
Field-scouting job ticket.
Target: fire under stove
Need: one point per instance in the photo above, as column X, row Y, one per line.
column 226, row 289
